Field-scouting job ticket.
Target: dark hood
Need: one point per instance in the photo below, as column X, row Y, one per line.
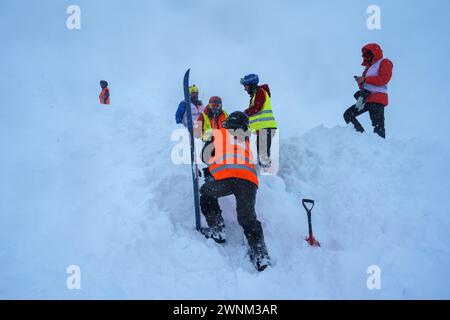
column 376, row 51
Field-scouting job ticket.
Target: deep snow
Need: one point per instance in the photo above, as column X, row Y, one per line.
column 94, row 186
column 99, row 191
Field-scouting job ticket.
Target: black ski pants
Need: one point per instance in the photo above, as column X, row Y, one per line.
column 376, row 112
column 245, row 193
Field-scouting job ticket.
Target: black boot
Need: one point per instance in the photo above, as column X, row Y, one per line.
column 216, row 232
column 259, row 256
column 380, row 131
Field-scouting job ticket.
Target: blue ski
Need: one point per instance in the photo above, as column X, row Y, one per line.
column 195, row 175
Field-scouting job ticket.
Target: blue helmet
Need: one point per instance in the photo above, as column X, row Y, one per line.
column 250, row 79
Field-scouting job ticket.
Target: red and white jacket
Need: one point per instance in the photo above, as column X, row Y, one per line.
column 378, row 74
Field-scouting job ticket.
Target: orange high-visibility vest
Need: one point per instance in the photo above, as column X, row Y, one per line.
column 209, row 124
column 102, row 96
column 233, row 158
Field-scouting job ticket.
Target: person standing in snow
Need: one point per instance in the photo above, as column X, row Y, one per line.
column 196, row 108
column 104, row 95
column 231, row 171
column 212, row 117
column 261, row 118
column 372, row 96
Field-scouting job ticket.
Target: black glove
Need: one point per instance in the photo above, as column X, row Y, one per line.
column 206, row 173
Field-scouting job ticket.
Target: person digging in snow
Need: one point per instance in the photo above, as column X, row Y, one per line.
column 231, row 172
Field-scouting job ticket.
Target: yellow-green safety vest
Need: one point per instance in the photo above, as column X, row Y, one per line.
column 263, row 119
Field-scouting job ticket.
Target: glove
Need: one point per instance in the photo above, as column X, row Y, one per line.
column 206, row 173
column 360, row 80
column 360, row 104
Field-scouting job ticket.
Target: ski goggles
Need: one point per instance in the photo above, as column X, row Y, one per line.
column 215, row 102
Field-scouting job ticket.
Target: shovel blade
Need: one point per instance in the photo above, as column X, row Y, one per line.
column 312, row 242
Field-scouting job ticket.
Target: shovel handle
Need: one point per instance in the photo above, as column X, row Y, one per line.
column 305, row 201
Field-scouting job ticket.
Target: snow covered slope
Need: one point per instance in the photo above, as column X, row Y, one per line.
column 94, row 186
column 97, row 189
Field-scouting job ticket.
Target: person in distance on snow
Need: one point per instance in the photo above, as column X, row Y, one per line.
column 261, row 118
column 104, row 95
column 231, row 171
column 196, row 108
column 372, row 96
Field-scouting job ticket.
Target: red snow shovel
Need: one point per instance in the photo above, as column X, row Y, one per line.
column 312, row 242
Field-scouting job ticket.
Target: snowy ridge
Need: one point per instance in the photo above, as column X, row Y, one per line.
column 131, row 227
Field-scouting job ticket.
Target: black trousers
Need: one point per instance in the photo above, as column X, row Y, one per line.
column 376, row 112
column 264, row 141
column 245, row 193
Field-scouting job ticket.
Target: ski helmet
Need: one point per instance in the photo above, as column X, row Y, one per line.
column 237, row 120
column 215, row 105
column 103, row 83
column 250, row 79
column 193, row 89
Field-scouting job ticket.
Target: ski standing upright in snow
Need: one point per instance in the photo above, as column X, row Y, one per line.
column 194, row 166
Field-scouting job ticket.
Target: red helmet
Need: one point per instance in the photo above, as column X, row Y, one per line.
column 215, row 105
column 215, row 100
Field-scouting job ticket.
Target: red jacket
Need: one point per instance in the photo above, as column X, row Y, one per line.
column 260, row 99
column 104, row 96
column 383, row 78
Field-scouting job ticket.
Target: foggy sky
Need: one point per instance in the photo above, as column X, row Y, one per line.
column 307, row 51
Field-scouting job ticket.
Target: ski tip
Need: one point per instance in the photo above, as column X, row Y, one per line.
column 186, row 77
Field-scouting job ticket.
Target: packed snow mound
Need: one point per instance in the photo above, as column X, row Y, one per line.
column 99, row 190
column 379, row 202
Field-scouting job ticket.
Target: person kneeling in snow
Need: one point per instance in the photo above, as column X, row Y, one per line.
column 231, row 171
column 372, row 96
